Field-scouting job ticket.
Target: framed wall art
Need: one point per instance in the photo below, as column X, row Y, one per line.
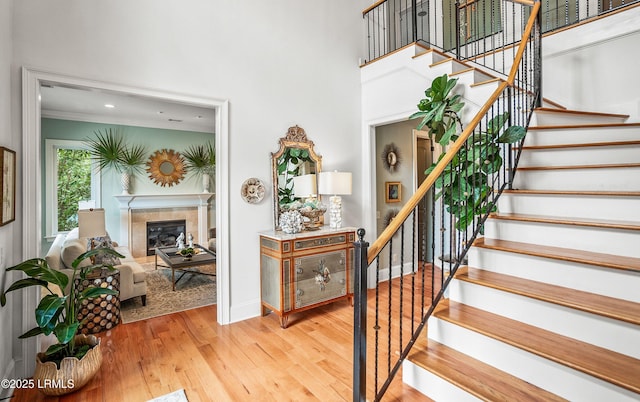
column 393, row 191
column 8, row 185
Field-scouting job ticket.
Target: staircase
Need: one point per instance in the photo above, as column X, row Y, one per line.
column 548, row 307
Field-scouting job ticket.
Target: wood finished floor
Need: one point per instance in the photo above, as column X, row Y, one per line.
column 250, row 360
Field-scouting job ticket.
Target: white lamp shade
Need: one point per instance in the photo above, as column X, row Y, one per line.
column 304, row 186
column 336, row 183
column 91, row 223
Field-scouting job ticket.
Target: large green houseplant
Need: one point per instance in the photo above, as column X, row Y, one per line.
column 465, row 182
column 57, row 312
column 111, row 151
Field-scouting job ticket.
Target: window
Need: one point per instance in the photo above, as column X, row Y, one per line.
column 70, row 177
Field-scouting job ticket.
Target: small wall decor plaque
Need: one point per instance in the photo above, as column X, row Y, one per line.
column 393, row 191
column 390, row 157
column 8, row 185
column 252, row 190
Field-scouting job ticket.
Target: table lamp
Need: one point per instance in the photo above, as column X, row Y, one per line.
column 304, row 186
column 91, row 224
column 336, row 183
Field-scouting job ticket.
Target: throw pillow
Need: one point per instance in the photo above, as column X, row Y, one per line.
column 101, row 258
column 71, row 249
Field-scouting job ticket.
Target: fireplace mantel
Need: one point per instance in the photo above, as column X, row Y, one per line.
column 146, row 201
column 130, row 202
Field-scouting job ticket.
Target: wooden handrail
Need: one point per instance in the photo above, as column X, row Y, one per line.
column 426, row 185
column 371, row 7
column 523, row 43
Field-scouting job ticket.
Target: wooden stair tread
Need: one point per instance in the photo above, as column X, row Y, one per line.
column 599, row 223
column 603, row 166
column 579, row 112
column 607, row 365
column 479, row 379
column 605, row 306
column 564, row 254
column 584, row 145
column 582, row 126
column 578, row 193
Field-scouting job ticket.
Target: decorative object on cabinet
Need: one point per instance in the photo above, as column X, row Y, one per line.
column 111, row 151
column 335, row 184
column 166, row 167
column 390, row 157
column 291, row 222
column 393, row 191
column 295, row 157
column 201, row 160
column 252, row 190
column 306, row 270
column 8, row 163
column 305, row 187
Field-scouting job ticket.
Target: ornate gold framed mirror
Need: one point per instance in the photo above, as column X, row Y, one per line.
column 166, row 167
column 296, row 157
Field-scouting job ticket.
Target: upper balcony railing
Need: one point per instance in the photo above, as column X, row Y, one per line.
column 483, row 24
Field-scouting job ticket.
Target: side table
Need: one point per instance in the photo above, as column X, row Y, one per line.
column 103, row 312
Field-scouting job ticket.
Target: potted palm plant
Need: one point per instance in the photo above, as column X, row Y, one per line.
column 112, row 152
column 74, row 359
column 201, row 160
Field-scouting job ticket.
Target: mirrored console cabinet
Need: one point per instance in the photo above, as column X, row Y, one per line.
column 305, row 270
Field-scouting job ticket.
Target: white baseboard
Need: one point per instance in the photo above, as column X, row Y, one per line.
column 245, row 311
column 9, row 373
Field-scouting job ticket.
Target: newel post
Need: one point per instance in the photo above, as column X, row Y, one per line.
column 360, row 319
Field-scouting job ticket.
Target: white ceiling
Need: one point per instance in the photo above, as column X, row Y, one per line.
column 88, row 104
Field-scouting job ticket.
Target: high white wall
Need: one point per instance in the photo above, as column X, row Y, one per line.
column 594, row 67
column 8, row 241
column 278, row 63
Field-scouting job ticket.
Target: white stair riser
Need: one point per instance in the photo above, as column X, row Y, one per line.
column 433, row 386
column 561, row 380
column 608, row 333
column 572, row 206
column 581, row 135
column 599, row 240
column 563, row 118
column 600, row 179
column 610, row 282
column 580, row 156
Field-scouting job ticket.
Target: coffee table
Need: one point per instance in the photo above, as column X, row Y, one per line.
column 176, row 262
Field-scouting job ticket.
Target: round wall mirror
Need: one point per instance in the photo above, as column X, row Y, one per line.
column 166, row 167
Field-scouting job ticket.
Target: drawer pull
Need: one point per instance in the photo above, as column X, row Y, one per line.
column 342, row 281
column 299, row 292
column 299, row 270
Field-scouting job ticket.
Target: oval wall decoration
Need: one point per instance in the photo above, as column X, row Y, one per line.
column 166, row 167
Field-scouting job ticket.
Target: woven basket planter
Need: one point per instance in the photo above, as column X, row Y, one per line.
column 73, row 374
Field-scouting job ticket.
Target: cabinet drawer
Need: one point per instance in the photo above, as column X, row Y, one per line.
column 311, row 291
column 305, row 244
column 307, row 267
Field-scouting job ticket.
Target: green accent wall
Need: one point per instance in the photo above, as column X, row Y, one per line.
column 152, row 138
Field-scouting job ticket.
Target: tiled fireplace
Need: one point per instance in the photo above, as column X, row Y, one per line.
column 137, row 210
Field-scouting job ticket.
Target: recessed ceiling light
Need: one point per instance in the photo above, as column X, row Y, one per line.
column 198, row 117
column 109, row 105
column 160, row 112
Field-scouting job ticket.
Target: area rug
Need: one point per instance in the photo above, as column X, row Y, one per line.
column 176, row 396
column 191, row 291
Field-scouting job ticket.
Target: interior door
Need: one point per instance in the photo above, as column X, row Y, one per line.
column 423, row 161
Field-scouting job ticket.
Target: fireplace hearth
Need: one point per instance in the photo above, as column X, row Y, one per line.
column 164, row 233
